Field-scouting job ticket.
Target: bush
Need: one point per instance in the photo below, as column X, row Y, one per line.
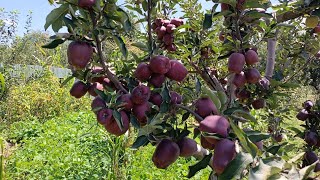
column 71, row 147
column 39, row 99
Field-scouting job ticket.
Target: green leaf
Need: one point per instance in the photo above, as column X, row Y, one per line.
column 306, row 171
column 56, row 15
column 141, row 46
column 255, row 14
column 53, row 44
column 66, row 81
column 105, row 97
column 200, row 165
column 244, row 140
column 207, row 22
column 212, row 95
column 135, row 123
column 121, row 45
column 256, row 136
column 117, row 117
column 243, row 114
column 236, row 167
column 2, row 84
column 275, row 148
column 185, row 116
column 140, row 141
column 164, row 107
column 125, row 20
column 263, row 171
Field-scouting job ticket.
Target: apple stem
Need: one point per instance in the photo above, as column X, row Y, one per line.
column 197, row 116
column 102, row 59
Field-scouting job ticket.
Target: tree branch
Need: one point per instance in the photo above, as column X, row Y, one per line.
column 197, row 116
column 272, row 42
column 149, row 24
column 102, row 60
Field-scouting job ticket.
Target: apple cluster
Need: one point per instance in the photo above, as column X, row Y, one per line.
column 248, row 75
column 165, row 32
column 311, row 118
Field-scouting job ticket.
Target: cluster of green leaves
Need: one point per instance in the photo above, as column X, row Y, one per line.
column 39, row 99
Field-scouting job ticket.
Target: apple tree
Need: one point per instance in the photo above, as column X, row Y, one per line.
column 194, row 78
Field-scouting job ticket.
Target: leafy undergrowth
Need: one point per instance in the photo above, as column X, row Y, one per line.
column 75, row 147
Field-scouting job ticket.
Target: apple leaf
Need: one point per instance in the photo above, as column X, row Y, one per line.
column 121, row 45
column 207, row 22
column 236, row 166
column 199, row 166
column 53, row 44
column 256, row 136
column 185, row 116
column 125, row 20
column 140, row 141
column 117, row 117
column 244, row 140
column 66, row 81
column 305, row 172
column 230, row 2
column 134, row 121
column 263, row 171
column 56, row 15
column 243, row 114
column 275, row 148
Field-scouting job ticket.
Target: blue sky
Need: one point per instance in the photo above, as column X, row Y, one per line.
column 40, row 9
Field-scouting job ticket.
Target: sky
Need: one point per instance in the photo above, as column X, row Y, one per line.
column 41, row 8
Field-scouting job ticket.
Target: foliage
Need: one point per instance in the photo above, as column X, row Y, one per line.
column 39, row 99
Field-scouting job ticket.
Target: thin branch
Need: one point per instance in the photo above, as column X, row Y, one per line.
column 149, row 23
column 197, row 116
column 272, row 42
column 102, row 59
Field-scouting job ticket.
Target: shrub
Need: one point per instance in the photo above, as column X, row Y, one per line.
column 70, row 147
column 39, row 99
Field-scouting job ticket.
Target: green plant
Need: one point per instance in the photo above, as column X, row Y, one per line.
column 39, row 99
column 68, row 147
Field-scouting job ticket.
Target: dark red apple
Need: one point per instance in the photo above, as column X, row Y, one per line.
column 155, row 98
column 97, row 104
column 171, row 48
column 125, row 99
column 317, row 168
column 170, row 28
column 224, row 153
column 224, row 7
column 221, row 36
column 79, row 89
column 252, row 75
column 168, row 39
column 205, row 107
column 160, row 64
column 303, row 115
column 166, row 153
column 259, row 144
column 104, row 116
column 166, row 22
column 161, row 31
column 311, row 138
column 158, row 21
column 215, row 124
column 258, row 103
column 176, row 21
column 239, row 80
column 206, row 144
column 278, row 137
column 142, row 72
column 242, row 94
column 310, row 157
column 187, row 147
column 94, row 86
column 86, row 4
column 157, row 80
column 140, row 112
column 79, row 54
column 317, row 29
column 236, row 63
column 113, row 126
column 251, row 57
column 140, row 94
column 175, row 98
column 308, row 105
column 97, row 74
column 177, row 71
